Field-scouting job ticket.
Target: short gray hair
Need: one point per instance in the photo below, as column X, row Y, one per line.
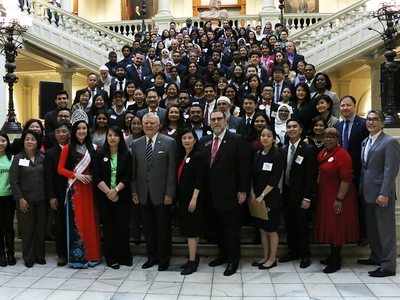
column 380, row 114
column 151, row 115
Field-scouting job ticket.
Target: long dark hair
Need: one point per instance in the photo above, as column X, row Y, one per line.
column 181, row 121
column 253, row 134
column 72, row 154
column 122, row 148
column 99, row 112
column 8, row 147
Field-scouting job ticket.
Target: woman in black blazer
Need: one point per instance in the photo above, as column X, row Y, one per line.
column 267, row 172
column 112, row 176
column 191, row 174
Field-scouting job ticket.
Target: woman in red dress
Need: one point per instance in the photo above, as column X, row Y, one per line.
column 336, row 220
column 83, row 229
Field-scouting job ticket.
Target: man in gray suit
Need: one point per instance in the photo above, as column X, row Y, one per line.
column 153, row 188
column 380, row 165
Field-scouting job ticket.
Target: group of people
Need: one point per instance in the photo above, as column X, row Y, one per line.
column 216, row 132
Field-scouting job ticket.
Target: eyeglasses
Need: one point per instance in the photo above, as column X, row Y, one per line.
column 374, row 120
column 330, row 137
column 218, row 119
column 284, row 111
column 63, row 116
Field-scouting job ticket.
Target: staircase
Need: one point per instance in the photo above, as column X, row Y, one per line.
column 78, row 42
column 328, row 44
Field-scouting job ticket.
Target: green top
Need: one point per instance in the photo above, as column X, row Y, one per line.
column 114, row 161
column 5, row 164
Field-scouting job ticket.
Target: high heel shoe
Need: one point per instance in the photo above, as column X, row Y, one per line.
column 262, row 267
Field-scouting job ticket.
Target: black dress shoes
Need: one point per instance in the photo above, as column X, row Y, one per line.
column 381, row 273
column 150, row 263
column 40, row 261
column 216, row 262
column 325, row 261
column 29, row 264
column 163, row 266
column 230, row 269
column 257, row 264
column 262, row 267
column 115, row 266
column 305, row 262
column 332, row 268
column 367, row 262
column 288, row 257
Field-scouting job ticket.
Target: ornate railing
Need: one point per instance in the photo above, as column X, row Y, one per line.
column 75, row 25
column 329, row 27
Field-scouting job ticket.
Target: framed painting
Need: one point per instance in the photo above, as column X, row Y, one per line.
column 301, row 6
column 131, row 9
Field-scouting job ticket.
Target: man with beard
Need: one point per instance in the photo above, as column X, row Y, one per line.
column 184, row 102
column 151, row 57
column 235, row 124
column 105, row 80
column 127, row 53
column 226, row 153
column 137, row 72
column 119, row 82
column 195, row 120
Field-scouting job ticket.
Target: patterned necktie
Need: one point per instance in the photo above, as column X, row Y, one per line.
column 367, row 148
column 214, row 150
column 345, row 144
column 289, row 163
column 149, row 150
column 139, row 72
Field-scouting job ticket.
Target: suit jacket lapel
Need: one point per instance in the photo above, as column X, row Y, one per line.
column 374, row 146
column 354, row 128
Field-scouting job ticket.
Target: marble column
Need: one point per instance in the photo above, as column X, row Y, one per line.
column 163, row 9
column 67, row 5
column 375, row 66
column 268, row 5
column 66, row 78
column 27, row 103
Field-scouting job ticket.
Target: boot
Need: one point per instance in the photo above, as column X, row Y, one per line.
column 191, row 267
column 10, row 248
column 327, row 260
column 335, row 263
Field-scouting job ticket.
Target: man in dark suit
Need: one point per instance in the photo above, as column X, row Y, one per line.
column 291, row 54
column 136, row 72
column 195, row 120
column 228, row 161
column 93, row 89
column 151, row 57
column 249, row 106
column 189, row 27
column 352, row 131
column 278, row 83
column 380, row 166
column 300, row 179
column 119, row 82
column 153, row 188
column 267, row 103
column 309, row 72
column 50, row 119
column 55, row 190
column 153, row 101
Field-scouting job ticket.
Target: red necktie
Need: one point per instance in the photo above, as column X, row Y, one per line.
column 214, row 150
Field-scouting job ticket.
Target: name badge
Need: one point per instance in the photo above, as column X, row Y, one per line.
column 330, row 159
column 23, row 162
column 262, row 107
column 114, row 117
column 187, row 160
column 299, row 159
column 273, row 114
column 267, row 167
column 232, row 130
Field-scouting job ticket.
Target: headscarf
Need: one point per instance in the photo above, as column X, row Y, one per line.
column 280, row 125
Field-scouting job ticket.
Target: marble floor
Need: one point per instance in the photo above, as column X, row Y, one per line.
column 286, row 281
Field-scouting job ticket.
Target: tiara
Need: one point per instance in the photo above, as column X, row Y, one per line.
column 79, row 115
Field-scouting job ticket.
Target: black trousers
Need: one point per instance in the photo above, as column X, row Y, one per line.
column 115, row 217
column 297, row 228
column 156, row 221
column 60, row 229
column 226, row 227
column 7, row 212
